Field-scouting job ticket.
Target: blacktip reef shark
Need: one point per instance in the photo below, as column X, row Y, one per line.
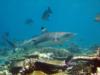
column 54, row 37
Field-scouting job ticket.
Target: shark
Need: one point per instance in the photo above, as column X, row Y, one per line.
column 46, row 37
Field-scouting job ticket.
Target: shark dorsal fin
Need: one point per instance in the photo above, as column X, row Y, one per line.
column 44, row 30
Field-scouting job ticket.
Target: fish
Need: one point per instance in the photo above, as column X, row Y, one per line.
column 29, row 21
column 11, row 43
column 97, row 19
column 49, row 37
column 5, row 37
column 46, row 14
column 6, row 34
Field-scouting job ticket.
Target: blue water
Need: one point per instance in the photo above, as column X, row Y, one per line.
column 77, row 16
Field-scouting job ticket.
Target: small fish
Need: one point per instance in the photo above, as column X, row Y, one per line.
column 29, row 21
column 97, row 18
column 6, row 34
column 5, row 37
column 46, row 14
column 10, row 43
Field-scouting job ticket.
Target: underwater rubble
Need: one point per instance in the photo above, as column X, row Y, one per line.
column 33, row 61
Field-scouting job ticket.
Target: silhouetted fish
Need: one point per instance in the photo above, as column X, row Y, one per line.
column 11, row 43
column 29, row 21
column 46, row 14
column 8, row 41
column 6, row 34
column 97, row 18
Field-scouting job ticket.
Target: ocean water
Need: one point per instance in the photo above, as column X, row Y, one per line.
column 76, row 16
column 20, row 20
